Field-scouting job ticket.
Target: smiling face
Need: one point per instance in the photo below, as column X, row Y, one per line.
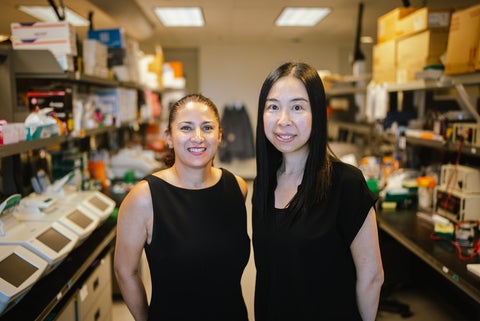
column 287, row 118
column 194, row 134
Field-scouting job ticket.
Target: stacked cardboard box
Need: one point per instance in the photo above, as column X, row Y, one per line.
column 463, row 50
column 58, row 37
column 386, row 24
column 408, row 40
column 418, row 51
column 123, row 52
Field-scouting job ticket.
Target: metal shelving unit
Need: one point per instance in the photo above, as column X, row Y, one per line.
column 25, row 146
column 420, row 87
column 447, row 82
column 449, row 146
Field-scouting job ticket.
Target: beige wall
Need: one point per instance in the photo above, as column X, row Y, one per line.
column 231, row 74
column 234, row 73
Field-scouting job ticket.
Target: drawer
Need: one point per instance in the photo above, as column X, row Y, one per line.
column 101, row 310
column 96, row 283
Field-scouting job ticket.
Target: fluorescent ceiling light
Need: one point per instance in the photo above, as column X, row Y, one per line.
column 301, row 17
column 47, row 14
column 180, row 17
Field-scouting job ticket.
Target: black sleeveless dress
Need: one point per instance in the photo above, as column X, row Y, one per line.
column 198, row 251
column 305, row 269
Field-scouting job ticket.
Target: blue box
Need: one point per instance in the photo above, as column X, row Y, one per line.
column 112, row 38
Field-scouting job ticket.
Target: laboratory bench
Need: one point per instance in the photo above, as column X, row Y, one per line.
column 76, row 276
column 412, row 230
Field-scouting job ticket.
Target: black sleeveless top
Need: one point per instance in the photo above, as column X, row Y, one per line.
column 305, row 269
column 198, row 251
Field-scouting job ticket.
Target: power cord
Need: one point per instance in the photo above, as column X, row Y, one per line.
column 461, row 256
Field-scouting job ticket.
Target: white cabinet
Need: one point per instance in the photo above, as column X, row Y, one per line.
column 94, row 297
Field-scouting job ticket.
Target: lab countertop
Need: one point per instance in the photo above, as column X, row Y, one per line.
column 51, row 292
column 413, row 232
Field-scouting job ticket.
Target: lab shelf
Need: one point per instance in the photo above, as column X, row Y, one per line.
column 25, row 146
column 448, row 146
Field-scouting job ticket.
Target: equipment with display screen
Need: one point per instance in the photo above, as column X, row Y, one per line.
column 50, row 240
column 20, row 268
column 457, row 206
column 78, row 218
column 97, row 202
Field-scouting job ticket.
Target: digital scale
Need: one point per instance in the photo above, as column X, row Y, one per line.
column 20, row 269
column 52, row 241
column 78, row 218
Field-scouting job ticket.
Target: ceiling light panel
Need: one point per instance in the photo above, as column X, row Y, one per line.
column 47, row 14
column 180, row 17
column 301, row 17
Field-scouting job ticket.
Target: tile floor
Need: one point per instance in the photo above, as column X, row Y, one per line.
column 424, row 302
column 423, row 305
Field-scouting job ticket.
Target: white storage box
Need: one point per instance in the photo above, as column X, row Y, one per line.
column 95, row 56
column 58, row 37
column 460, row 178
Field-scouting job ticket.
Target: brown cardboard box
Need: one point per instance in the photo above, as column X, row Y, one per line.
column 419, row 50
column 463, row 41
column 477, row 63
column 423, row 19
column 386, row 23
column 384, row 62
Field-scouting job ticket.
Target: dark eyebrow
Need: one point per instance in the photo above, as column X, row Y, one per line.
column 187, row 122
column 294, row 99
column 300, row 99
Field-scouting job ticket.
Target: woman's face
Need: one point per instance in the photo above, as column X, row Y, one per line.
column 287, row 117
column 195, row 134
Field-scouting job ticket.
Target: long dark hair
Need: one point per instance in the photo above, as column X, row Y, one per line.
column 317, row 173
column 169, row 158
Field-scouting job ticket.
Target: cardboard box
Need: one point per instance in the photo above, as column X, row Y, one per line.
column 60, row 100
column 423, row 19
column 418, row 51
column 42, row 30
column 8, row 134
column 58, row 37
column 112, row 38
column 477, row 63
column 463, row 42
column 95, row 58
column 387, row 22
column 384, row 62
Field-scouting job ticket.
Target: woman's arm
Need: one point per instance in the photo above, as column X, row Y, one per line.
column 135, row 215
column 368, row 263
column 243, row 186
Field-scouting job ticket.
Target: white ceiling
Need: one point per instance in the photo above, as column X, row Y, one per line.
column 227, row 21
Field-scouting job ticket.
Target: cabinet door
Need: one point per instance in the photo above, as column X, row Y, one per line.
column 68, row 313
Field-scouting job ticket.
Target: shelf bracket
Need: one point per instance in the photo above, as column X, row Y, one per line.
column 465, row 101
